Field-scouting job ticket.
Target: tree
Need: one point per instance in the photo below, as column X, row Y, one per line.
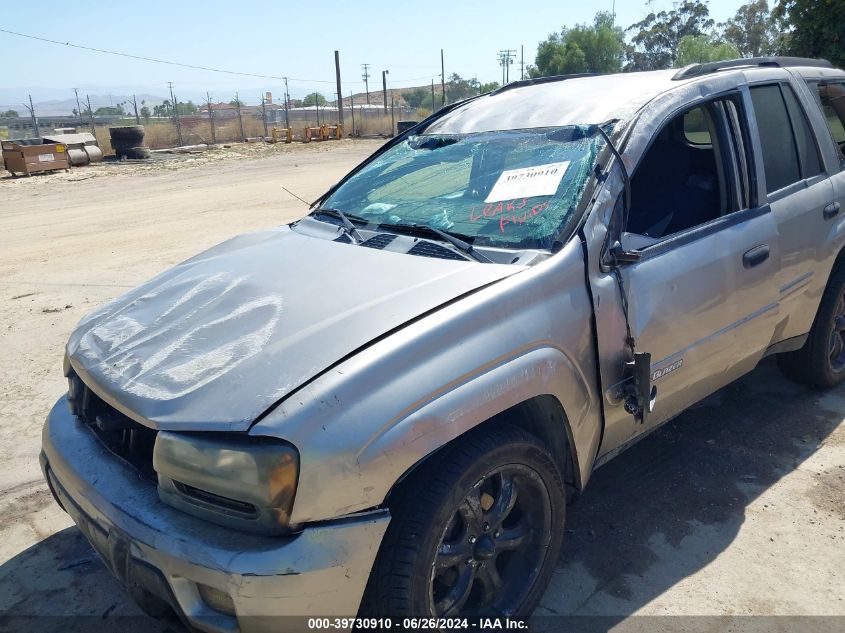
column 488, row 87
column 415, row 98
column 458, row 88
column 186, row 108
column 236, row 103
column 145, row 112
column 700, row 49
column 162, row 110
column 11, row 114
column 656, row 38
column 752, row 30
column 110, row 110
column 812, row 28
column 315, row 98
column 596, row 48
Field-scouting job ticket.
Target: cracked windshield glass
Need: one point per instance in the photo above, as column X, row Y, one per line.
column 513, row 189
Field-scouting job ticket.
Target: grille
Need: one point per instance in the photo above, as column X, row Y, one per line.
column 379, row 241
column 432, row 249
column 121, row 435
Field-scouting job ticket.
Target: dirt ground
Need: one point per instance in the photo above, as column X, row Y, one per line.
column 735, row 509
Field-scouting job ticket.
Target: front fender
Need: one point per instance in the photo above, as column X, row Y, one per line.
column 361, row 425
column 538, row 372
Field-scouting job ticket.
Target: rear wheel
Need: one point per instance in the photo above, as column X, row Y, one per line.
column 476, row 532
column 821, row 362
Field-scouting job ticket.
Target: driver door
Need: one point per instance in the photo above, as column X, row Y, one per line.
column 702, row 298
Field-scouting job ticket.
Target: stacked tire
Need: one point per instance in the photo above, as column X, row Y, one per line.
column 127, row 141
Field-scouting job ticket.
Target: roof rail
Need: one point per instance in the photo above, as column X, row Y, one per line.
column 697, row 70
column 540, row 80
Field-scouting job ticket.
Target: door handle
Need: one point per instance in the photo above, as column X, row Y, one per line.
column 831, row 210
column 755, row 256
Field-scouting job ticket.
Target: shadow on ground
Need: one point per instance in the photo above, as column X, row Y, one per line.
column 672, row 503
column 679, row 494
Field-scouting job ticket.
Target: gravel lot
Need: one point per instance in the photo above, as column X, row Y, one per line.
column 737, row 508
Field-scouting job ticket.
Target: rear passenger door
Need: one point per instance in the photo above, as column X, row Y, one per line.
column 798, row 190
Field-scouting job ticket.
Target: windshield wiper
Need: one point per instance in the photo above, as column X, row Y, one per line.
column 348, row 227
column 426, row 229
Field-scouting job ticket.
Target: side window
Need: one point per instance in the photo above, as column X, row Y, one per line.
column 789, row 147
column 832, row 100
column 695, row 128
column 686, row 177
column 808, row 152
column 780, row 157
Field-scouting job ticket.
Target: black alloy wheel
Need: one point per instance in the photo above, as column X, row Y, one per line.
column 475, row 531
column 492, row 549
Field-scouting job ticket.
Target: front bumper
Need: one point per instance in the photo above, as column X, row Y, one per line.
column 162, row 555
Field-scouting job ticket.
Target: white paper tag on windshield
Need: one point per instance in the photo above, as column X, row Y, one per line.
column 540, row 180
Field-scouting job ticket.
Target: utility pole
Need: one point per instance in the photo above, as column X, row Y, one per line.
column 521, row 62
column 352, row 106
column 339, row 90
column 264, row 114
column 442, row 79
column 91, row 115
column 135, row 103
column 240, row 119
column 366, row 77
column 211, row 118
column 78, row 107
column 175, row 114
column 506, row 58
column 384, row 75
column 31, row 109
column 287, row 104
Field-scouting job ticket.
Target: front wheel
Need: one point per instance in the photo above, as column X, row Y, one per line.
column 475, row 532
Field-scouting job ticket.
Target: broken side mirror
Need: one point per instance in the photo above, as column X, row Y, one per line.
column 621, row 256
column 640, row 395
column 615, row 255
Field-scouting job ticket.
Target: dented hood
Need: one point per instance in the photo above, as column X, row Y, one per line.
column 215, row 341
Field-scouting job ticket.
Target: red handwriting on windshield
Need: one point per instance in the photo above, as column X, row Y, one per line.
column 492, row 209
column 508, row 212
column 522, row 218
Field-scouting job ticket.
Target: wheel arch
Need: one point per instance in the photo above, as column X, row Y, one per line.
column 543, row 416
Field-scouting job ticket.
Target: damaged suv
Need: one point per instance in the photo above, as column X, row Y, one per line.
column 383, row 408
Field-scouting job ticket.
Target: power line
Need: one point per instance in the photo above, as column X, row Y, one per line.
column 142, row 58
column 194, row 66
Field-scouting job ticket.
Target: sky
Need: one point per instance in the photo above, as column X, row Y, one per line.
column 294, row 39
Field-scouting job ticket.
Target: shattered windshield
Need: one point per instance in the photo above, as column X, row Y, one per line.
column 510, row 189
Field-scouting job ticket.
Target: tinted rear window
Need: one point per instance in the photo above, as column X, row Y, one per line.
column 808, row 153
column 780, row 157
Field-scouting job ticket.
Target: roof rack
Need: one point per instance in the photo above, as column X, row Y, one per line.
column 540, row 80
column 697, row 70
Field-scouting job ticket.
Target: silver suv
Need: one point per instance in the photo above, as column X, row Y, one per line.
column 383, row 407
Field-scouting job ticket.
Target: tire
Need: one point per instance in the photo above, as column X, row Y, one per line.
column 455, row 529
column 133, row 133
column 821, row 362
column 122, row 151
column 136, row 152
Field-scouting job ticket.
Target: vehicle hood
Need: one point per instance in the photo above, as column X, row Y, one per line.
column 217, row 340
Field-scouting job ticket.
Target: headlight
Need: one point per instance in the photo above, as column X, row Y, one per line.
column 244, row 482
